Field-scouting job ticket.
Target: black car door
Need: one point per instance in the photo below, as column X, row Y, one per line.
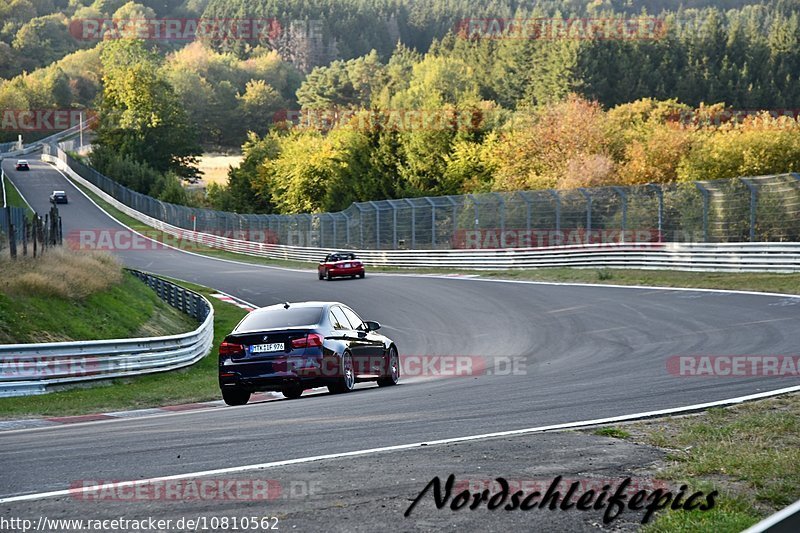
column 373, row 344
column 356, row 340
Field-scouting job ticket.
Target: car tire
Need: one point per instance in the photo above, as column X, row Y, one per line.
column 320, row 275
column 292, row 392
column 393, row 370
column 328, row 275
column 235, row 396
column 347, row 380
column 362, row 275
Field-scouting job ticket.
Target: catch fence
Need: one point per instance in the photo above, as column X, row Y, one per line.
column 756, row 209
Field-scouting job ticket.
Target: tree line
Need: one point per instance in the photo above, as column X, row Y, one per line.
column 502, row 113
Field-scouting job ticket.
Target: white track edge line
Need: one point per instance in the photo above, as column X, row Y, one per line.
column 398, row 447
column 30, row 207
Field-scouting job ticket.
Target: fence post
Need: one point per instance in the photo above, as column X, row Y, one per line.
column 660, row 195
column 377, row 224
column 624, row 196
column 476, row 207
column 308, row 218
column 394, row 224
column 557, row 198
column 588, row 197
column 12, row 234
column 346, row 227
column 360, row 225
column 753, row 204
column 433, row 221
column 705, row 193
column 502, row 203
column 25, row 237
column 524, row 196
column 455, row 216
column 413, row 223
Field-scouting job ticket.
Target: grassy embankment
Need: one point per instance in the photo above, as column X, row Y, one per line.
column 750, row 453
column 13, row 198
column 68, row 296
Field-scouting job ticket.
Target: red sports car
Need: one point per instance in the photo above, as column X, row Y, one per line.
column 339, row 265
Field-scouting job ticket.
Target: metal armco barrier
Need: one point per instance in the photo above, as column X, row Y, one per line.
column 74, row 130
column 736, row 257
column 27, row 369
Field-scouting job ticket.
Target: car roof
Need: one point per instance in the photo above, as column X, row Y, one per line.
column 295, row 304
column 22, row 160
column 280, row 307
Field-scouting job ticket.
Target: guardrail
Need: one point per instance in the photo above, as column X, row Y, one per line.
column 738, row 257
column 7, row 147
column 74, row 130
column 27, row 369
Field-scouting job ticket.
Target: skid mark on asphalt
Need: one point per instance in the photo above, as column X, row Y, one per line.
column 555, row 311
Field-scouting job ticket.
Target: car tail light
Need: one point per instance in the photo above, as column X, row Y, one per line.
column 309, row 341
column 229, row 348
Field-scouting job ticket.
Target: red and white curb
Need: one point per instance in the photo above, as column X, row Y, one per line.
column 227, row 298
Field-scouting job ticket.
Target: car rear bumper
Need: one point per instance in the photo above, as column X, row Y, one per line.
column 280, row 372
column 346, row 271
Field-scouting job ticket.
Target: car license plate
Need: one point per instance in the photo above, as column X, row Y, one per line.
column 347, row 265
column 263, row 348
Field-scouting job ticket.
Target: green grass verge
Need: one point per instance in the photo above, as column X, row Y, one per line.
column 129, row 309
column 617, row 433
column 14, row 198
column 196, row 383
column 750, row 453
column 784, row 283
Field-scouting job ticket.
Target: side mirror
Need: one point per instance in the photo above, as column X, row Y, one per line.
column 371, row 325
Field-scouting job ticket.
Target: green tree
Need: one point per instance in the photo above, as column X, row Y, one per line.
column 43, row 40
column 258, row 105
column 140, row 114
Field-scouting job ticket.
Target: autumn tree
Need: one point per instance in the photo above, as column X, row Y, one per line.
column 140, row 114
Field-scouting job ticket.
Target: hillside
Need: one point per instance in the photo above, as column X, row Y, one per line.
column 66, row 296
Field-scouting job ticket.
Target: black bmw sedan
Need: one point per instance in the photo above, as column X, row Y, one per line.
column 292, row 347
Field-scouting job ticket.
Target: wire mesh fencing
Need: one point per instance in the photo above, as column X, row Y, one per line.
column 758, row 209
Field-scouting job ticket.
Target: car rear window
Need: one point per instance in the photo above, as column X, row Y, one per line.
column 280, row 318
